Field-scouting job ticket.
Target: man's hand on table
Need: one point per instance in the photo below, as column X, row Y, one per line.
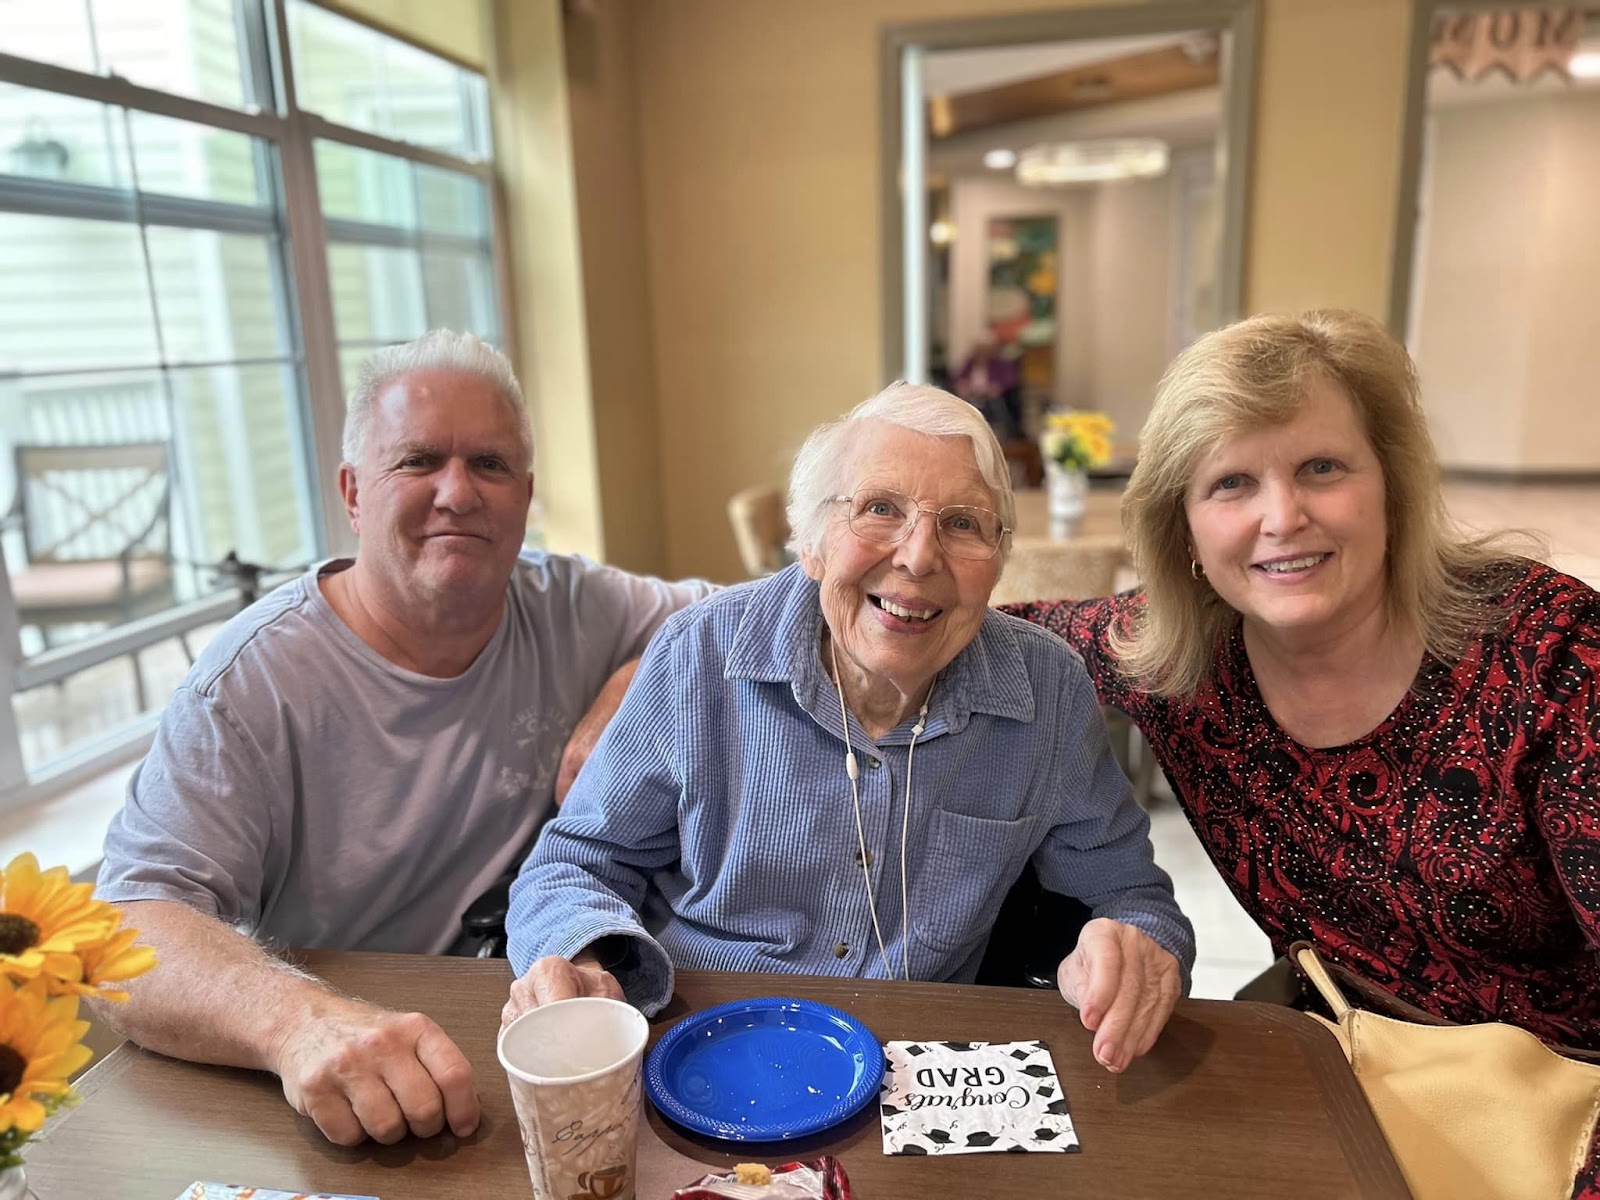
column 1124, row 987
column 556, row 978
column 361, row 1071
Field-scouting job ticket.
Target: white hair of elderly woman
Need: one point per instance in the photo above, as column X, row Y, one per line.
column 436, row 350
column 819, row 467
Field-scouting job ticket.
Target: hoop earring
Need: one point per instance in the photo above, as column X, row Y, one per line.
column 1196, row 571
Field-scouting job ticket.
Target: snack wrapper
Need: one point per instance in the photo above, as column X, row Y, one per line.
column 823, row 1179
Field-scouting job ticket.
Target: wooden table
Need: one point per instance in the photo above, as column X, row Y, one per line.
column 1238, row 1100
column 1102, row 510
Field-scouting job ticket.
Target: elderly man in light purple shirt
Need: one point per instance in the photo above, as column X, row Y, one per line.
column 357, row 755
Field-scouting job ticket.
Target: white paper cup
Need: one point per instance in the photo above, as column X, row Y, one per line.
column 575, row 1070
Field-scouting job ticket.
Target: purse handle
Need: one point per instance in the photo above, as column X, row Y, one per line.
column 1324, row 976
column 1311, row 967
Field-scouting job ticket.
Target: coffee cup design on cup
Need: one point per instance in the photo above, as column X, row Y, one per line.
column 602, row 1185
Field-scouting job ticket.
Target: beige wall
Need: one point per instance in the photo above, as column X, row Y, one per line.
column 1509, row 284
column 1326, row 164
column 533, row 133
column 605, row 135
column 759, row 126
column 1130, row 299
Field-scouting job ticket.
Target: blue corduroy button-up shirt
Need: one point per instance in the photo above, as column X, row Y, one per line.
column 714, row 821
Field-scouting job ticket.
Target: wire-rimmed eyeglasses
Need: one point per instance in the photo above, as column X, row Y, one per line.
column 963, row 530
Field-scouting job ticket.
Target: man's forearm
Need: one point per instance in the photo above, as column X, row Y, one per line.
column 215, row 995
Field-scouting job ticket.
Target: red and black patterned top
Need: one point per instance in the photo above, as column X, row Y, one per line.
column 1452, row 855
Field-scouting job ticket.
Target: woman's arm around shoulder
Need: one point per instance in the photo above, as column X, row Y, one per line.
column 1086, row 626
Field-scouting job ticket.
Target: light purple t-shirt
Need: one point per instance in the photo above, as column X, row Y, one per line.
column 310, row 792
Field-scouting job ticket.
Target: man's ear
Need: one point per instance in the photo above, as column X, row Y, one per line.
column 349, row 491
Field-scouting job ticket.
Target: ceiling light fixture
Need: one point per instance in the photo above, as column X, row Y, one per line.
column 1000, row 159
column 1093, row 162
column 1584, row 65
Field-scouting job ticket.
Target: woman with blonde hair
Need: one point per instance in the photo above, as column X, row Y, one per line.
column 1385, row 732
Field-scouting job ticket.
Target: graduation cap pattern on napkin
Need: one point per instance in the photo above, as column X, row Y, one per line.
column 973, row 1098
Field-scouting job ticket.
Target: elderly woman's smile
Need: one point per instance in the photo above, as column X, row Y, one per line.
column 905, row 611
column 900, row 606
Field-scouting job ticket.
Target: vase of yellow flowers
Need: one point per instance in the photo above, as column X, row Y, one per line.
column 57, row 945
column 1072, row 444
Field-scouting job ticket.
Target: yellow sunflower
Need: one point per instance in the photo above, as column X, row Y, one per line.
column 46, row 919
column 113, row 960
column 40, row 1047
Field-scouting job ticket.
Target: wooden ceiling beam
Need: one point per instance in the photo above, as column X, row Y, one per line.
column 1133, row 77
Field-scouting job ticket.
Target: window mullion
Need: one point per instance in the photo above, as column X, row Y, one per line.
column 115, row 90
column 327, row 130
column 308, row 240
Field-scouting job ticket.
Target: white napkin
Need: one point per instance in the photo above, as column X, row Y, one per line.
column 973, row 1098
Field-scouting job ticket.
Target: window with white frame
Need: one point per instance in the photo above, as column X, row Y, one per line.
column 210, row 211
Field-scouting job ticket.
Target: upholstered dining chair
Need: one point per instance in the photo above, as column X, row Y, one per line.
column 761, row 529
column 1079, row 568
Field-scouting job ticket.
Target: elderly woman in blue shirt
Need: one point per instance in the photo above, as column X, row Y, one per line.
column 841, row 769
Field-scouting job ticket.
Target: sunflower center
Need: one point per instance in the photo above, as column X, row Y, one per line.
column 12, row 1068
column 17, row 933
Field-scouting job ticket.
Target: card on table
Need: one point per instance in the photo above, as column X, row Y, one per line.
column 972, row 1098
column 236, row 1191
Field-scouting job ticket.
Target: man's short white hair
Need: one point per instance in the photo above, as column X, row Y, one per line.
column 819, row 468
column 436, row 350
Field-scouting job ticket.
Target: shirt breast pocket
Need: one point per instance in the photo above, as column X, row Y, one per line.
column 969, row 862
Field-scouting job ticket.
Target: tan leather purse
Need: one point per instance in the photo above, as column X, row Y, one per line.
column 1484, row 1111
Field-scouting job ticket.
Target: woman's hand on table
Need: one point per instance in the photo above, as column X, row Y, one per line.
column 1124, row 986
column 556, row 978
column 361, row 1071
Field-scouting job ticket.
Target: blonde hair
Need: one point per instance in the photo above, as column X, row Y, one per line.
column 1257, row 373
column 820, row 465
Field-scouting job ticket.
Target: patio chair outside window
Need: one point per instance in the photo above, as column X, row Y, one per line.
column 95, row 528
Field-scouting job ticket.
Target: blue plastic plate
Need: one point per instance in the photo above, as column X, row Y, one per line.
column 764, row 1070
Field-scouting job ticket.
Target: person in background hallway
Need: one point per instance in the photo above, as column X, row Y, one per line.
column 991, row 381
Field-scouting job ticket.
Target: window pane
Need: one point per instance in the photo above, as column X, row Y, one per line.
column 55, row 720
column 72, row 295
column 189, row 47
column 460, row 291
column 180, row 158
column 361, row 185
column 52, row 33
column 451, row 202
column 48, row 136
column 377, row 293
column 216, row 294
column 244, row 483
column 354, row 75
